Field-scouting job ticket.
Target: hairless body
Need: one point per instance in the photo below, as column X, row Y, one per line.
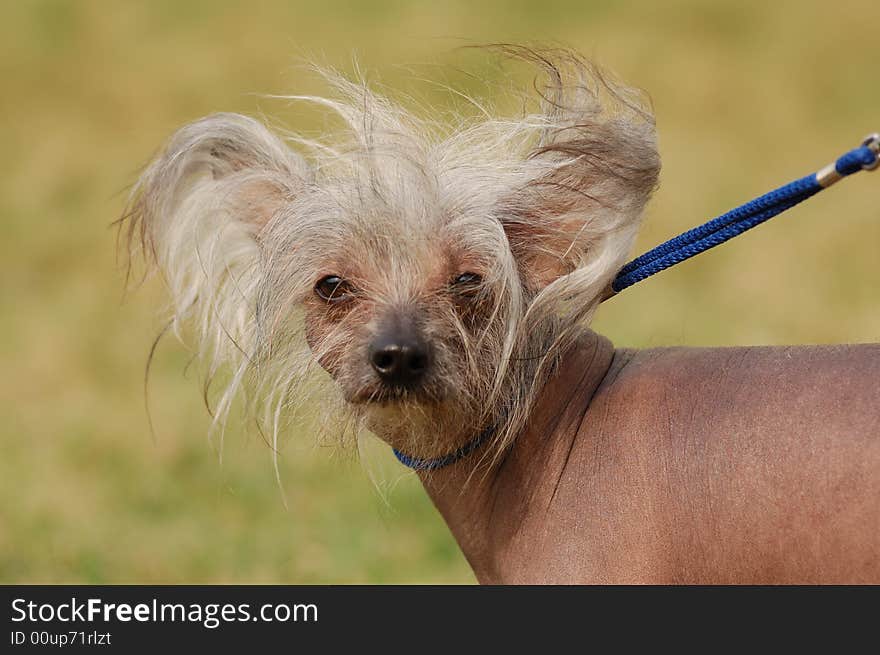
column 683, row 465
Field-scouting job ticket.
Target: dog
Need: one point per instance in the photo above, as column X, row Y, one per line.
column 435, row 288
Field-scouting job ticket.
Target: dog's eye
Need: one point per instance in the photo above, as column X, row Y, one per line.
column 467, row 283
column 333, row 288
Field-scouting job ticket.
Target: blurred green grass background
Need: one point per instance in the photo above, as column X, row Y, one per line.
column 748, row 95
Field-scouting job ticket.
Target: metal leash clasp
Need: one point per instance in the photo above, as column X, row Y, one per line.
column 831, row 175
column 872, row 142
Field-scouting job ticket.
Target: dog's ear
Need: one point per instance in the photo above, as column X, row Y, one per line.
column 225, row 169
column 595, row 163
column 197, row 213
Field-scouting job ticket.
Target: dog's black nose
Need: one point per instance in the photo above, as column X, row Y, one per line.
column 399, row 356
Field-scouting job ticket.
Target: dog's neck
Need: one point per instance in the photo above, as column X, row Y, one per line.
column 466, row 498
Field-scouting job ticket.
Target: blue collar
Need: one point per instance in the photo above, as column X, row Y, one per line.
column 432, row 464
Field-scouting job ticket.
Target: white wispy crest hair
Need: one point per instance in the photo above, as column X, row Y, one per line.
column 550, row 200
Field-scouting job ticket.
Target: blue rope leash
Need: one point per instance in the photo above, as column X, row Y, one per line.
column 723, row 228
column 745, row 217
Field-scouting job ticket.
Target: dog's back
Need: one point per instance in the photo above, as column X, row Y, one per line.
column 721, row 465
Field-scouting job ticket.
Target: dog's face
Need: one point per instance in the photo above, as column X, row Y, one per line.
column 396, row 325
column 432, row 276
column 408, row 308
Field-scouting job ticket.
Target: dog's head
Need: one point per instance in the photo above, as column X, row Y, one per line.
column 434, row 275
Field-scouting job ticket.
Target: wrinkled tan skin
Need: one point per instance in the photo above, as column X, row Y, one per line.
column 684, row 465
